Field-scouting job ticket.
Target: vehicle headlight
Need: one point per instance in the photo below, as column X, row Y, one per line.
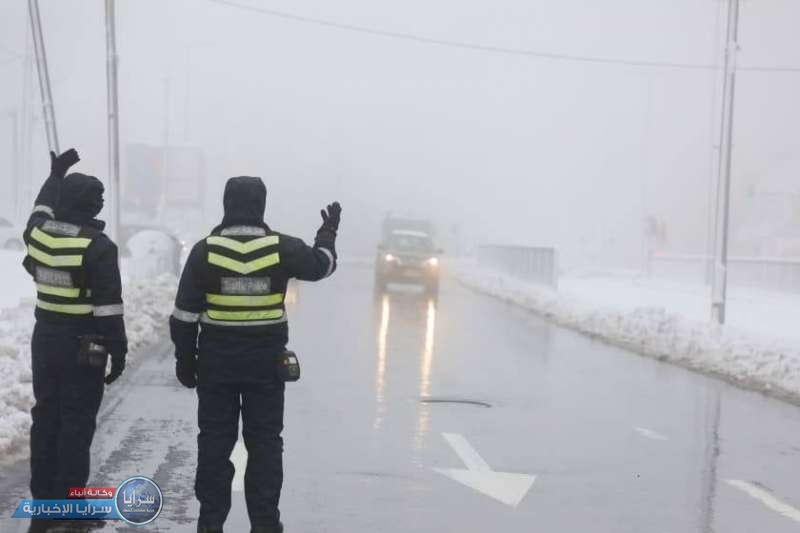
column 389, row 258
column 432, row 262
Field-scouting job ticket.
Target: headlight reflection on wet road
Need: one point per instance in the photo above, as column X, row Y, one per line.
column 380, row 372
column 426, row 365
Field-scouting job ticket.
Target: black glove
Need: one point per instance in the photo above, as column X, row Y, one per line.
column 117, row 366
column 59, row 165
column 186, row 370
column 331, row 216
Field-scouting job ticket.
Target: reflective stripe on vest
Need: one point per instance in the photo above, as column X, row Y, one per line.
column 205, row 319
column 243, row 268
column 55, row 260
column 108, row 310
column 245, row 247
column 69, row 309
column 185, row 316
column 244, row 316
column 64, row 292
column 57, row 251
column 59, row 242
column 244, row 301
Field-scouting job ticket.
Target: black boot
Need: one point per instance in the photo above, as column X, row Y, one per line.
column 208, row 529
column 267, row 529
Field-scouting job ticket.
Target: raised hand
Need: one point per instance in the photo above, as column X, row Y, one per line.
column 332, row 216
column 60, row 164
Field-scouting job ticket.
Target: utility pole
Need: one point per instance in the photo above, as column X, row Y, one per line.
column 719, row 288
column 165, row 160
column 113, row 118
column 24, row 197
column 13, row 116
column 44, row 76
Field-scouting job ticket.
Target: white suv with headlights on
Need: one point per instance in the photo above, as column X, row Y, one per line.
column 409, row 257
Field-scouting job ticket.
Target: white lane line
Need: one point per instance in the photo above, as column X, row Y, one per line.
column 649, row 433
column 756, row 492
column 239, row 460
column 467, row 453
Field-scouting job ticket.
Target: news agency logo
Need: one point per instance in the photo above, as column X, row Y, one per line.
column 138, row 500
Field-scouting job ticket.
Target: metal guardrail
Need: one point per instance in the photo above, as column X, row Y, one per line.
column 528, row 263
column 771, row 273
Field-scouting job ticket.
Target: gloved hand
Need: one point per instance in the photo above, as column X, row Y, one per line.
column 59, row 165
column 186, row 370
column 331, row 216
column 117, row 366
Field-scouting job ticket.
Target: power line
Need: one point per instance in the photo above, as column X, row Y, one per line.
column 458, row 44
column 478, row 47
column 768, row 69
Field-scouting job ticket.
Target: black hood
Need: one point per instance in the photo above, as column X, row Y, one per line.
column 245, row 201
column 81, row 199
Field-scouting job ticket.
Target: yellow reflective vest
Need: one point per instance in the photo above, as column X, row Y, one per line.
column 240, row 291
column 55, row 257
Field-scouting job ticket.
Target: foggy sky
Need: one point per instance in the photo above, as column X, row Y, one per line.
column 510, row 149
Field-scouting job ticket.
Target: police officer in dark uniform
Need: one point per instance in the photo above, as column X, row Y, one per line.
column 232, row 289
column 79, row 321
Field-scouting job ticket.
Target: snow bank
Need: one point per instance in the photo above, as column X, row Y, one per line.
column 17, row 284
column 148, row 304
column 744, row 358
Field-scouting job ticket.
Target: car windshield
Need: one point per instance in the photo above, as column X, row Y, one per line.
column 410, row 242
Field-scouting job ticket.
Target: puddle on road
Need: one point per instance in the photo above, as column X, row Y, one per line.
column 458, row 401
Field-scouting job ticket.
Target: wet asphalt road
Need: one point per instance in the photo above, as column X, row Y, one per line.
column 616, row 442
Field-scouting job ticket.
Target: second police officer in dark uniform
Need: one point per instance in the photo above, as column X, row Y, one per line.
column 232, row 289
column 78, row 308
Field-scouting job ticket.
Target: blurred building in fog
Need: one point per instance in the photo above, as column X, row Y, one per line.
column 768, row 218
column 164, row 186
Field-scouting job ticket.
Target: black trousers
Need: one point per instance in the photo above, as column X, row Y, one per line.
column 261, row 408
column 67, row 400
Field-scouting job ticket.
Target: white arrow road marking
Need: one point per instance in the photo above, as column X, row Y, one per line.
column 505, row 487
column 649, row 433
column 766, row 498
column 239, row 460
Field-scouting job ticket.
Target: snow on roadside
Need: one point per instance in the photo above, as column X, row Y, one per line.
column 148, row 304
column 755, row 362
column 17, row 284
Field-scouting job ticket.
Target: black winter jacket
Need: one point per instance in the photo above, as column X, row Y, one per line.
column 228, row 350
column 77, row 199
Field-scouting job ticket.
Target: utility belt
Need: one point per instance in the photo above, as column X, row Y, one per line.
column 92, row 352
column 288, row 366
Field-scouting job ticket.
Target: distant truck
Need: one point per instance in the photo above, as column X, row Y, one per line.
column 407, row 254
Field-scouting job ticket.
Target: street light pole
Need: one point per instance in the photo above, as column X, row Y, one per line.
column 13, row 116
column 113, row 118
column 719, row 288
column 44, row 76
column 26, row 132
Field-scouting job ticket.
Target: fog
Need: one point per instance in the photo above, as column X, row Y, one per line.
column 494, row 147
column 517, row 326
